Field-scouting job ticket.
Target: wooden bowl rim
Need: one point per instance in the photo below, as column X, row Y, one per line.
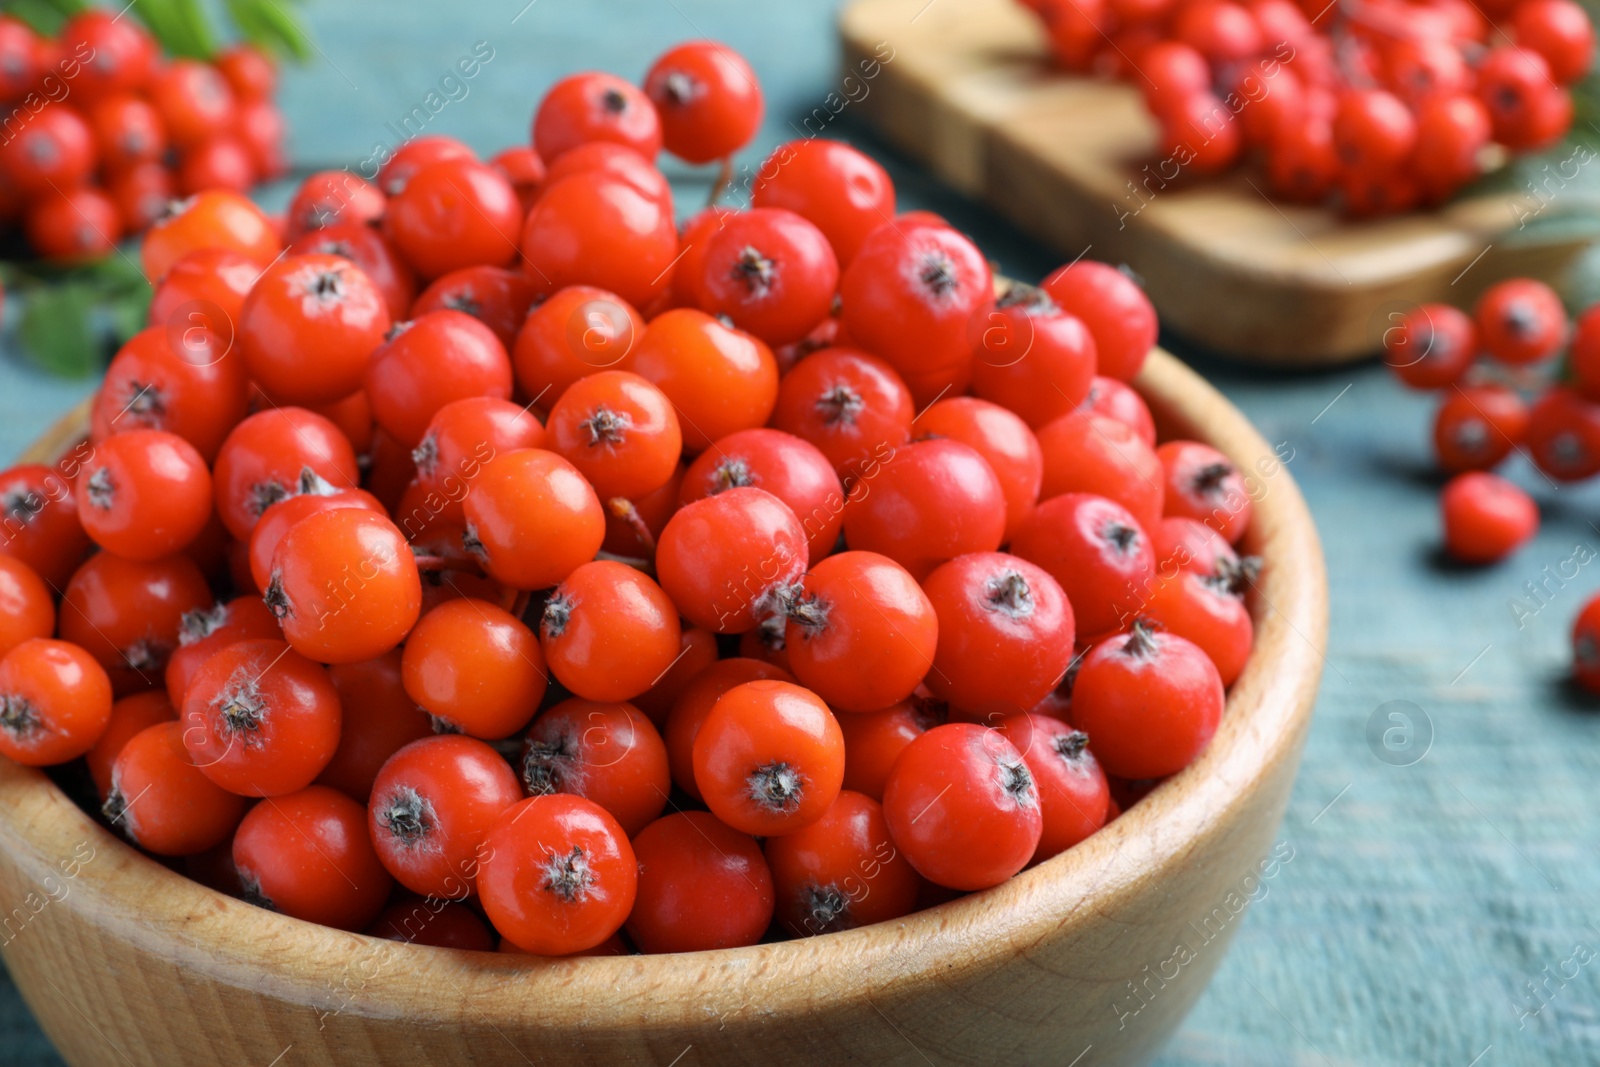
column 134, row 898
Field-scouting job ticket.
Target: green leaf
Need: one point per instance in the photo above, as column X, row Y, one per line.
column 45, row 16
column 57, row 331
column 269, row 26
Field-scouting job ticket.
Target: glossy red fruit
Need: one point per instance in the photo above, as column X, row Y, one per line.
column 1520, row 321
column 1149, row 702
column 617, row 160
column 595, row 106
column 1094, row 454
column 379, row 718
column 1477, row 426
column 195, row 101
column 1031, row 357
column 620, row 431
column 933, row 501
column 496, row 297
column 75, row 225
column 130, row 716
column 475, row 667
column 367, row 248
column 1486, row 518
column 212, row 219
column 708, row 100
column 263, row 458
column 692, row 706
column 1560, row 31
column 39, row 516
column 146, row 494
column 307, row 855
column 532, row 519
column 608, row 631
column 415, row 154
column 54, row 152
column 27, row 607
column 791, row 469
column 309, row 327
column 1431, row 346
column 771, row 272
column 841, row 872
column 55, row 702
column 577, row 331
column 1073, row 794
column 595, row 228
column 455, row 214
column 1586, row 646
column 1002, row 439
column 963, row 807
column 844, row 192
column 702, row 885
column 1097, row 551
column 608, row 753
column 127, row 614
column 854, row 407
column 437, row 358
column 725, row 558
column 162, row 802
column 1563, row 435
column 328, row 197
column 1118, row 314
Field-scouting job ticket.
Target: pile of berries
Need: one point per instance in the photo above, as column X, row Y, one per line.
column 1382, row 105
column 99, row 132
column 624, row 589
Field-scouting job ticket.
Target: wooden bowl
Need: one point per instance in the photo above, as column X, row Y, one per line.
column 1103, row 948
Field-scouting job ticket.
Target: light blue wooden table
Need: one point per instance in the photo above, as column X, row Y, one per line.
column 1441, row 903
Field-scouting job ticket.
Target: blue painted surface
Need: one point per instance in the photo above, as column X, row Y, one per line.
column 1423, row 902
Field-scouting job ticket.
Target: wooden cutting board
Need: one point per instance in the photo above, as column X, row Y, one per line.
column 966, row 86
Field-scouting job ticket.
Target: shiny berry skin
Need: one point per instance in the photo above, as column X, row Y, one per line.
column 432, row 805
column 415, row 154
column 1563, row 435
column 1303, row 165
column 558, row 876
column 1149, row 702
column 909, row 294
column 39, row 514
column 1188, row 544
column 1477, row 426
column 769, row 759
column 1520, row 321
column 844, row 192
column 27, row 607
column 708, row 100
column 476, row 667
column 963, row 807
column 145, row 495
column 1486, row 518
column 21, row 56
column 854, row 407
column 532, row 519
column 841, row 872
column 1517, row 90
column 1073, row 795
column 464, row 435
column 1002, row 439
column 307, row 855
column 770, row 272
column 1201, row 483
column 260, row 719
column 205, row 632
column 697, row 700
column 595, row 106
column 313, row 495
column 702, row 885
column 1094, row 454
column 379, row 719
column 1583, row 354
column 719, row 379
column 1005, row 634
column 1430, row 346
column 1452, row 131
column 608, row 631
column 1560, row 31
column 213, row 219
column 618, row 161
column 219, row 277
column 577, row 331
column 367, row 248
column 860, row 633
column 221, row 162
column 74, row 225
column 933, row 501
column 723, row 559
column 52, row 153
column 608, row 753
column 55, row 702
column 261, row 462
column 162, row 802
column 789, row 468
column 698, row 651
column 344, row 586
column 327, row 197
column 130, row 716
column 522, row 167
column 436, row 358
column 1097, row 551
column 1586, row 646
column 1373, row 130
column 595, row 228
column 194, row 100
column 141, row 193
column 454, row 214
column 250, row 72
column 308, row 328
column 1119, row 316
column 873, row 740
column 496, row 297
column 1031, row 357
column 620, row 431
column 693, row 241
column 127, row 614
column 1208, row 610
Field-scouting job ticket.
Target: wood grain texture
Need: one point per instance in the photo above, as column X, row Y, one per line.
column 967, row 88
column 167, row 972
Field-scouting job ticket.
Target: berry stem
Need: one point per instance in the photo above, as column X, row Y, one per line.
column 623, row 509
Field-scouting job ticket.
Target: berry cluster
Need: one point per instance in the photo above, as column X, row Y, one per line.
column 1382, row 104
column 98, row 132
column 610, row 520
